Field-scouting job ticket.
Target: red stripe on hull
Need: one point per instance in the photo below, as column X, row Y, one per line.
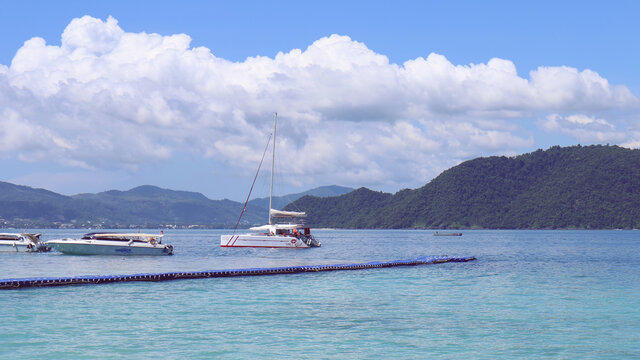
column 267, row 247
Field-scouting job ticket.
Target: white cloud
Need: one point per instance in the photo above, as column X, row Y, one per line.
column 634, row 144
column 585, row 129
column 566, row 89
column 92, row 36
column 107, row 98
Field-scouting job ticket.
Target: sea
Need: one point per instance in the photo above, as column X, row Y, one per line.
column 540, row 294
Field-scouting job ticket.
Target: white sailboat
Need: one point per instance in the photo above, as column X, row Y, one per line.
column 285, row 228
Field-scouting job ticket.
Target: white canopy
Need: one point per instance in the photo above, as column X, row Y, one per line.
column 280, row 213
column 128, row 235
column 14, row 236
column 137, row 236
column 7, row 236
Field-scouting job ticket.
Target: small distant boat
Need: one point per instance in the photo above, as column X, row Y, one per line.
column 285, row 228
column 447, row 234
column 113, row 244
column 22, row 242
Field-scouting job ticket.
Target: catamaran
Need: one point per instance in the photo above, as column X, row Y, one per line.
column 285, row 229
column 113, row 244
column 22, row 242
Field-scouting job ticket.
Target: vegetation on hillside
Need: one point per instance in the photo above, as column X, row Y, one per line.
column 590, row 187
column 143, row 206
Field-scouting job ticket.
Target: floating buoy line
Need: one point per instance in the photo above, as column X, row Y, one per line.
column 7, row 284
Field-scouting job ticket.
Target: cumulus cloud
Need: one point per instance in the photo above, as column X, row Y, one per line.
column 586, row 129
column 108, row 98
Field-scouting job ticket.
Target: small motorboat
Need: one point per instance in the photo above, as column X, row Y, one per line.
column 447, row 234
column 113, row 244
column 22, row 242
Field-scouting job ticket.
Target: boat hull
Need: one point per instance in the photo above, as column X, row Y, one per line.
column 17, row 247
column 22, row 242
column 87, row 248
column 262, row 241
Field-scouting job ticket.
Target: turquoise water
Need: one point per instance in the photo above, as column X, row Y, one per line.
column 531, row 294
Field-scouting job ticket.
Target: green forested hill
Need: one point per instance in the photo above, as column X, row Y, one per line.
column 281, row 201
column 357, row 209
column 591, row 187
column 143, row 206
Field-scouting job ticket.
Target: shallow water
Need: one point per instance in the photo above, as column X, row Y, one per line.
column 530, row 294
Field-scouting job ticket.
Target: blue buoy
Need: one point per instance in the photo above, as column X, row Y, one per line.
column 8, row 284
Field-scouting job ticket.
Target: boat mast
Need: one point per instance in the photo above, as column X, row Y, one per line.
column 273, row 161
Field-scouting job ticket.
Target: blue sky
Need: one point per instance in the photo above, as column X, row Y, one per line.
column 400, row 92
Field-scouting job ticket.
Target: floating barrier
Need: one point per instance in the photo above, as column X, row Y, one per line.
column 6, row 284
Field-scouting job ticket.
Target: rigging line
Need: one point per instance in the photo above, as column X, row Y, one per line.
column 252, row 184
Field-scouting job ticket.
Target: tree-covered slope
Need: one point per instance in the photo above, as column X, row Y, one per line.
column 151, row 204
column 574, row 187
column 23, row 202
column 357, row 209
column 141, row 206
column 279, row 202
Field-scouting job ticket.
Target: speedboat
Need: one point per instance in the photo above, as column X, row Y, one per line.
column 22, row 242
column 113, row 244
column 285, row 228
column 287, row 234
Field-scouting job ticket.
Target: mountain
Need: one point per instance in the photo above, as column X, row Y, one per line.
column 151, row 204
column 259, row 208
column 143, row 206
column 281, row 201
column 23, row 202
column 591, row 187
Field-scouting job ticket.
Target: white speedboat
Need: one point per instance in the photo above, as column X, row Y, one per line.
column 113, row 244
column 285, row 228
column 22, row 242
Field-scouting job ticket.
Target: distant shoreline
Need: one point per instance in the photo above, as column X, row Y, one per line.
column 204, row 227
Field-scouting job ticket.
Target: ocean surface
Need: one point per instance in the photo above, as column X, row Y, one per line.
column 529, row 295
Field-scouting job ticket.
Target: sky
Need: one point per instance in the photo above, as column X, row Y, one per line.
column 100, row 95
